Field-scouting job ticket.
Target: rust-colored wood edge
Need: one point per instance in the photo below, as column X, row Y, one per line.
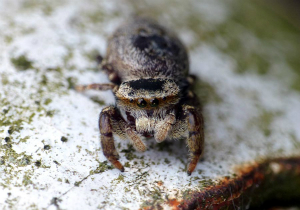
column 277, row 179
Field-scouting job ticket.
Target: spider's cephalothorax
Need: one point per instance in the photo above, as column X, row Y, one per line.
column 148, row 68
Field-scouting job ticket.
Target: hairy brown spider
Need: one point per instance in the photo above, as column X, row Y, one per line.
column 148, row 69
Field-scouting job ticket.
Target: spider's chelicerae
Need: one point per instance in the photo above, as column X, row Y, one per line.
column 148, row 69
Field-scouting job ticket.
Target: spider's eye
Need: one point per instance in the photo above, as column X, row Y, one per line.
column 164, row 98
column 154, row 102
column 131, row 100
column 142, row 103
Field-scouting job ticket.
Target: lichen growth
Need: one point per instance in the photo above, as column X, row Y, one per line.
column 207, row 93
column 264, row 120
column 47, row 147
column 163, row 146
column 187, row 194
column 76, row 184
column 206, row 183
column 295, row 140
column 156, row 200
column 25, row 160
column 118, row 180
column 167, row 161
column 22, row 63
column 16, row 125
column 64, row 139
column 4, row 79
column 26, row 180
column 103, row 166
column 8, row 39
column 71, row 82
column 38, row 163
column 129, row 152
column 98, row 101
column 47, row 101
column 92, row 55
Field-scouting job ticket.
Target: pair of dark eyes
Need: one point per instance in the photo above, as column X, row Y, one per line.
column 142, row 103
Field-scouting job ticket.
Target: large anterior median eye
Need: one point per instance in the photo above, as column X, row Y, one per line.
column 142, row 103
column 154, row 102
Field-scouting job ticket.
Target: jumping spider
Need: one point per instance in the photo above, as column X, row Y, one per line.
column 148, row 69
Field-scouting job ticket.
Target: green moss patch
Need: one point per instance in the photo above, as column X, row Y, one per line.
column 103, row 166
column 22, row 63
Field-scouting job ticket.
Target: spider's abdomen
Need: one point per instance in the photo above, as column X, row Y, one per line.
column 141, row 48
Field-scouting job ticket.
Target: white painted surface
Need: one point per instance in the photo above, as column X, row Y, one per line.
column 234, row 133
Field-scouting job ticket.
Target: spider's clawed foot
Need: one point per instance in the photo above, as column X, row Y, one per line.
column 193, row 163
column 117, row 164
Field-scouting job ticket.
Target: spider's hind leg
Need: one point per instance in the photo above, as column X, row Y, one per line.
column 191, row 79
column 111, row 73
column 96, row 86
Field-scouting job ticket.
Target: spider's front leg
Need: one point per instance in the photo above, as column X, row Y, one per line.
column 195, row 138
column 111, row 122
column 107, row 140
column 163, row 127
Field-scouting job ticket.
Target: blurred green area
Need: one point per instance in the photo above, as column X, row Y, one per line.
column 262, row 37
